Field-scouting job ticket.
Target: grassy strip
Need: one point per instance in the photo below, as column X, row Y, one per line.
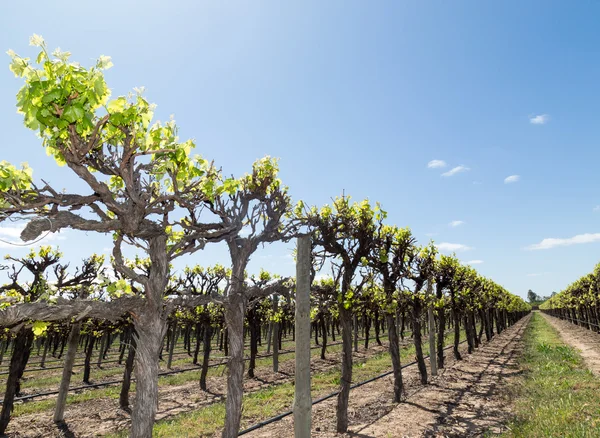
column 557, row 396
column 268, row 402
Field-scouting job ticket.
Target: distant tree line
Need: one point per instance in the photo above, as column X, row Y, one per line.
column 535, row 299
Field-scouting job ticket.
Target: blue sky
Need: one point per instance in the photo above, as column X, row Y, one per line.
column 361, row 96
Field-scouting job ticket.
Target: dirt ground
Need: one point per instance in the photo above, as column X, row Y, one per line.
column 99, row 417
column 466, row 399
column 586, row 341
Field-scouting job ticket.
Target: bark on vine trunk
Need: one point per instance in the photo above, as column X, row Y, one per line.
column 416, row 323
column 126, row 386
column 46, row 346
column 88, row 360
column 2, row 350
column 253, row 343
column 234, row 317
column 21, row 350
column 469, row 333
column 367, row 323
column 394, row 348
column 456, row 317
column 121, row 347
column 276, row 335
column 355, row 333
column 150, row 330
column 324, row 333
column 269, row 336
column 441, row 337
column 150, row 326
column 62, row 346
column 61, row 401
column 197, row 349
column 377, row 328
column 204, row 372
column 103, row 342
column 332, row 331
column 473, row 328
column 346, row 377
column 173, row 338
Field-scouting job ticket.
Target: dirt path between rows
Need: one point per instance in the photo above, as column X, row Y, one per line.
column 586, row 341
column 466, row 399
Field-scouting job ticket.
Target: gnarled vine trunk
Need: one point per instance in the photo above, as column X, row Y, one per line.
column 456, row 321
column 198, row 332
column 469, row 334
column 61, row 401
column 277, row 335
column 20, row 355
column 173, row 340
column 234, row 318
column 324, row 334
column 150, row 326
column 88, row 359
column 416, row 323
column 150, row 329
column 46, row 346
column 206, row 356
column 346, row 377
column 441, row 314
column 124, row 395
column 394, row 348
column 252, row 322
column 377, row 327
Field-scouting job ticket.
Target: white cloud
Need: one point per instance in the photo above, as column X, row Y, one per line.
column 551, row 242
column 596, row 208
column 456, row 223
column 540, row 119
column 434, row 164
column 10, row 238
column 452, row 247
column 477, row 183
column 455, row 170
column 474, row 262
column 512, row 179
column 13, row 232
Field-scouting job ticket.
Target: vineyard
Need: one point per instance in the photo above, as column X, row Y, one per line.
column 374, row 331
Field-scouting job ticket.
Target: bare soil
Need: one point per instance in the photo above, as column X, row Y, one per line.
column 584, row 340
column 466, row 399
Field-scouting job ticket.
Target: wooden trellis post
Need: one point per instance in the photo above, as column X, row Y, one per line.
column 302, row 397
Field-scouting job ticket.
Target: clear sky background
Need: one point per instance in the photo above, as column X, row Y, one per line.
column 360, row 97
